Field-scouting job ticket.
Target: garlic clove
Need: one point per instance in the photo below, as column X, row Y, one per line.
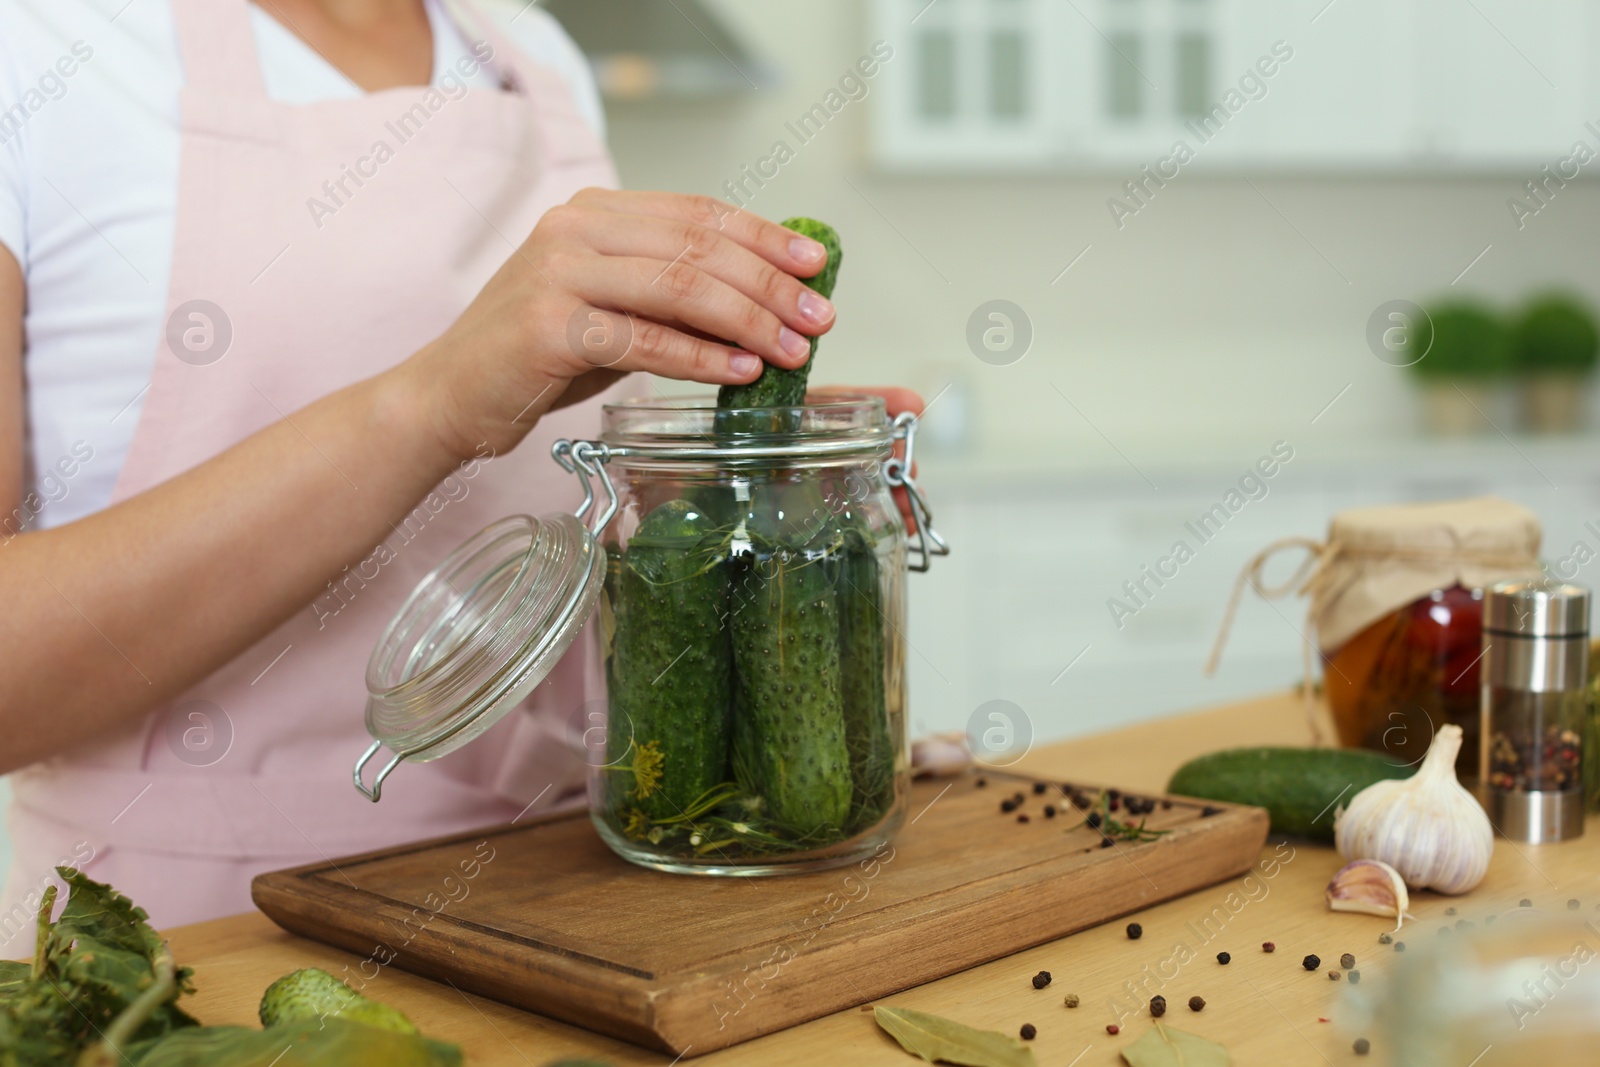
column 1427, row 827
column 941, row 755
column 1371, row 887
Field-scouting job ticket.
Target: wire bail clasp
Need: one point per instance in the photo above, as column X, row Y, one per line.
column 587, row 459
column 897, row 473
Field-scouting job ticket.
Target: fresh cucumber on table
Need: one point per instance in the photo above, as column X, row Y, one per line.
column 1300, row 787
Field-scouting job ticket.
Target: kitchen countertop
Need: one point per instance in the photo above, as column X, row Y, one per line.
column 1265, row 1008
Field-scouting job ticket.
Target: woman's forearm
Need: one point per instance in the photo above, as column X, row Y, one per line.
column 110, row 615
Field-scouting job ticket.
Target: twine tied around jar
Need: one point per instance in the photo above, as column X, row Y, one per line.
column 1333, row 567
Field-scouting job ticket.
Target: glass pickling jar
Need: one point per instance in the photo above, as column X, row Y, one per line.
column 744, row 570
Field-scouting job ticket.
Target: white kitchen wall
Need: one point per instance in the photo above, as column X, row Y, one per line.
column 1227, row 314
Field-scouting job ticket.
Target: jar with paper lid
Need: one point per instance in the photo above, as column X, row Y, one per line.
column 1396, row 614
column 744, row 573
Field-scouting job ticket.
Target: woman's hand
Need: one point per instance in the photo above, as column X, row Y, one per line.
column 613, row 282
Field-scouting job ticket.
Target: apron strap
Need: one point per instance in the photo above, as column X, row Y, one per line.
column 218, row 47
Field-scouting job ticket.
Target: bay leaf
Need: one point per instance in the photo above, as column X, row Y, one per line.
column 1165, row 1047
column 935, row 1038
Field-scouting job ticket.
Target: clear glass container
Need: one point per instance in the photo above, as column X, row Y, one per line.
column 753, row 638
column 746, row 571
column 1520, row 988
column 1391, row 686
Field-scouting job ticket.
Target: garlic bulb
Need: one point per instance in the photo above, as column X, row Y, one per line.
column 941, row 755
column 1427, row 826
column 1372, row 887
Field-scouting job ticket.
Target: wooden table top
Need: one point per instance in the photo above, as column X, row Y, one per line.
column 1265, row 1008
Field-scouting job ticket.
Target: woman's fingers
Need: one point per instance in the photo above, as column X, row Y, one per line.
column 678, row 292
column 619, row 342
column 671, row 241
column 779, row 246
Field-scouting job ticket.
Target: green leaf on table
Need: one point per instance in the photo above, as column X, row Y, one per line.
column 329, row 1042
column 1165, row 1047
column 938, row 1039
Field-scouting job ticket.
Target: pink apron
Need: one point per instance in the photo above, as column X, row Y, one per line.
column 181, row 811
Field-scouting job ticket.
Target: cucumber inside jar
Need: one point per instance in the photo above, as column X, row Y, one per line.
column 748, row 714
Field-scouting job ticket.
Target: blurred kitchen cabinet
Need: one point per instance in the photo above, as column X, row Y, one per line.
column 1233, row 84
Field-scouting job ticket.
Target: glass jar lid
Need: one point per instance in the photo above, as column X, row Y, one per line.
column 484, row 628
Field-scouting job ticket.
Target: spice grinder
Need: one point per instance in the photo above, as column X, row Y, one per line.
column 1535, row 666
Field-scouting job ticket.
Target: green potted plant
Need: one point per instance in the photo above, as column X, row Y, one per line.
column 1466, row 353
column 1554, row 348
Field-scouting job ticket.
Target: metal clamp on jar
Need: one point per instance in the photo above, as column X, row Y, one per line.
column 1535, row 671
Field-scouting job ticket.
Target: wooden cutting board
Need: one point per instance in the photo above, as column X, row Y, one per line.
column 544, row 917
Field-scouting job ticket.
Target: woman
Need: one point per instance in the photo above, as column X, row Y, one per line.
column 354, row 235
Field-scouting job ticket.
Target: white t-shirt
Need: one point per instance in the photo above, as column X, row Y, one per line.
column 89, row 145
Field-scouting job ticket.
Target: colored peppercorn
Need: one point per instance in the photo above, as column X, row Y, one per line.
column 1347, row 961
column 1158, row 1006
column 1524, row 903
column 1022, row 817
column 1573, row 905
column 1223, row 958
column 1463, row 924
column 1362, row 1046
column 1268, row 946
column 1135, row 931
column 1196, row 1003
column 1113, row 1028
column 1399, row 946
column 1028, row 1032
column 1041, row 979
column 1072, row 1000
column 1449, row 911
column 1355, row 977
column 1311, row 962
column 1333, row 976
column 1384, row 939
column 1166, row 804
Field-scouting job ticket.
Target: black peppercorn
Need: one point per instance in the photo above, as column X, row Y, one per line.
column 1039, row 788
column 1311, row 962
column 1362, row 1046
column 1135, row 931
column 1008, row 805
column 1268, row 946
column 1113, row 794
column 1158, row 1006
column 1208, row 811
column 1049, row 811
column 1028, row 1032
column 1347, row 961
column 1355, row 977
column 1166, row 804
column 1196, row 1003
column 1105, row 842
column 1223, row 958
column 1041, row 979
column 1094, row 820
column 981, row 782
